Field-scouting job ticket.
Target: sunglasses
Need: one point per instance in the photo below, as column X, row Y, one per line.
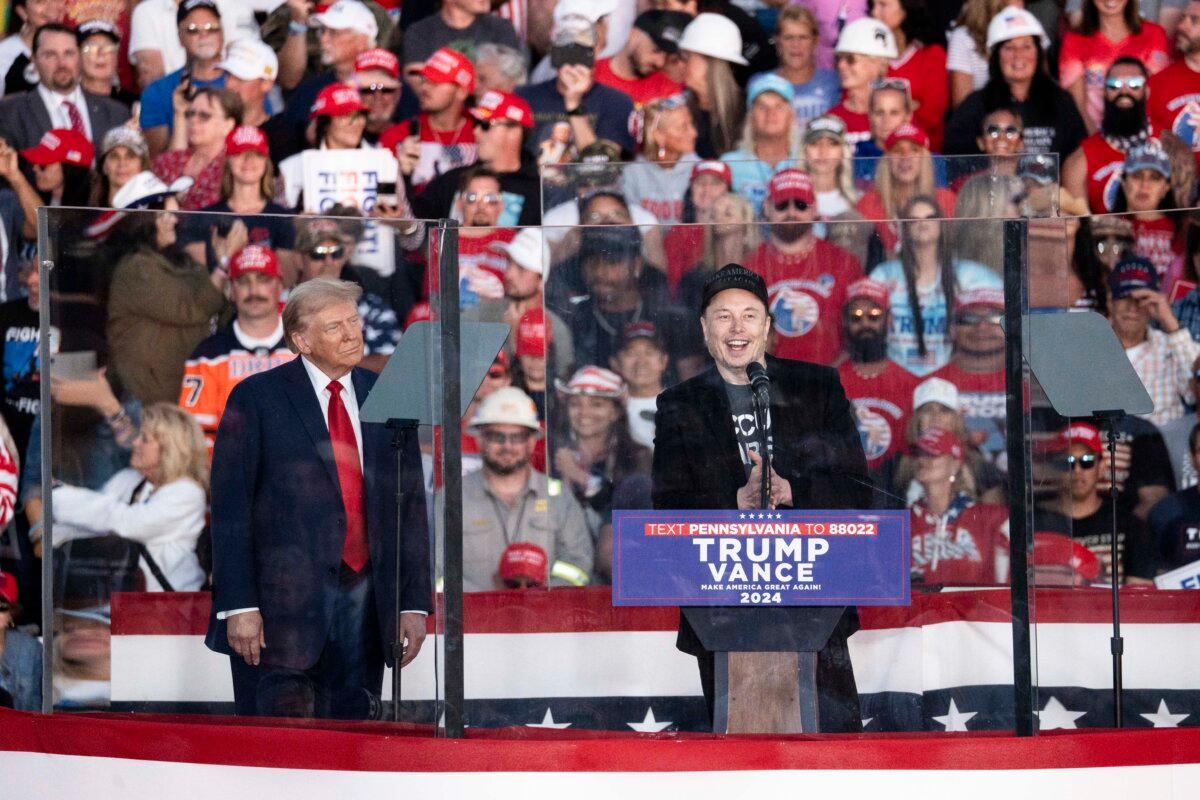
column 1010, row 132
column 209, row 27
column 324, row 251
column 101, row 49
column 5, row 608
column 893, row 84
column 1088, row 461
column 378, row 88
column 495, row 437
column 849, row 58
column 203, row 116
column 860, row 314
column 799, row 205
column 488, row 125
column 1134, row 82
column 1113, row 245
column 491, row 198
column 979, row 319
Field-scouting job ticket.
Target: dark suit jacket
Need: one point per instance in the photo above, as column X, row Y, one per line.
column 278, row 522
column 817, row 448
column 24, row 119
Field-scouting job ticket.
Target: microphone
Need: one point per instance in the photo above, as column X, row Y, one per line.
column 760, row 382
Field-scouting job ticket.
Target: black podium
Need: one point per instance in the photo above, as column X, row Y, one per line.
column 766, row 664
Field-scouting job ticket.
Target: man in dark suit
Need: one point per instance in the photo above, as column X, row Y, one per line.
column 304, row 526
column 707, row 455
column 58, row 101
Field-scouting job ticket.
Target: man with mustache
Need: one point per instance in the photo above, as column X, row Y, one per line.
column 806, row 277
column 880, row 389
column 251, row 343
column 1094, row 170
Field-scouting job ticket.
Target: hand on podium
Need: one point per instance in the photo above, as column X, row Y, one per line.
column 781, row 490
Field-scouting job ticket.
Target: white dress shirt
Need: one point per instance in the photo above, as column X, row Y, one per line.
column 59, row 118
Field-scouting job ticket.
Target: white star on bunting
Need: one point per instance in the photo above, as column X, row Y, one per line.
column 548, row 722
column 955, row 720
column 1163, row 718
column 649, row 724
column 1056, row 716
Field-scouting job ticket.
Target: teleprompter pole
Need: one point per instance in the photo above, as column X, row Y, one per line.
column 1109, row 420
column 401, row 429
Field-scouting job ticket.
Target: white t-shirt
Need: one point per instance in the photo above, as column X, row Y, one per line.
column 641, row 419
column 11, row 48
column 962, row 56
column 832, row 203
column 152, row 27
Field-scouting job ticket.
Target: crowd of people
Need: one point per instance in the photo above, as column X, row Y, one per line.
column 603, row 159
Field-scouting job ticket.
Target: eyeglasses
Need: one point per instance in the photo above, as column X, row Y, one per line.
column 1113, row 245
column 860, row 314
column 203, row 116
column 377, row 88
column 1085, row 462
column 1134, row 82
column 209, row 27
column 100, row 49
column 324, row 251
column 490, row 198
column 495, row 437
column 979, row 319
column 1010, row 132
column 799, row 205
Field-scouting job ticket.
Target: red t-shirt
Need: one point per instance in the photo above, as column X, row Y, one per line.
column 1174, row 102
column 806, row 294
column 870, row 205
column 642, row 90
column 1104, row 164
column 882, row 405
column 1158, row 240
column 1090, row 57
column 925, row 70
column 685, row 246
column 480, row 268
column 969, row 549
column 441, row 151
column 982, row 401
column 858, row 126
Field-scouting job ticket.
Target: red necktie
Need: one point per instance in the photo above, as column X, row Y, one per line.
column 75, row 118
column 355, row 551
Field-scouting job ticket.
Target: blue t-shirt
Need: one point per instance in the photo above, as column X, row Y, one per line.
column 156, row 98
column 751, row 176
column 608, row 108
column 819, row 94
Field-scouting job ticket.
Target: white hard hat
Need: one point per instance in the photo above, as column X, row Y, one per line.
column 867, row 36
column 594, row 10
column 528, row 250
column 715, row 36
column 1013, row 22
column 507, row 406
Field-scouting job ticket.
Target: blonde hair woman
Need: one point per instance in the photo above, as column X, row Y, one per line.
column 710, row 45
column 159, row 500
column 659, row 180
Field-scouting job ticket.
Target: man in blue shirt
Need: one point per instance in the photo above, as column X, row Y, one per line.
column 200, row 34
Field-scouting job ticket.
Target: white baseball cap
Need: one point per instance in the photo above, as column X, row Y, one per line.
column 250, row 59
column 506, row 406
column 936, row 390
column 867, row 36
column 348, row 14
column 594, row 10
column 715, row 36
column 1013, row 22
column 528, row 250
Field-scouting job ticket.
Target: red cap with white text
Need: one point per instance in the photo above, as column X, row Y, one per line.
column 254, row 258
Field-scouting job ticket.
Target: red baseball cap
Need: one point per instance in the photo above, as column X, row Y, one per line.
column 254, row 258
column 1084, row 433
column 524, row 560
column 245, row 139
column 790, row 184
column 532, row 334
column 59, row 146
column 380, row 59
column 993, row 298
column 1060, row 550
column 907, row 132
column 450, row 66
column 502, row 105
column 878, row 293
column 938, row 442
column 718, row 168
column 420, row 312
column 337, row 100
column 8, row 588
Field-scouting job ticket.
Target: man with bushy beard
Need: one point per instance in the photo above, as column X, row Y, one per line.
column 880, row 389
column 1094, row 170
column 976, row 368
column 806, row 277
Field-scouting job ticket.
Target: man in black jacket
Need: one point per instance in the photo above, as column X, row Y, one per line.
column 707, row 449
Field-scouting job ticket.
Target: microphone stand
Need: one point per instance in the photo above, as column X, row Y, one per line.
column 1116, row 644
column 762, row 407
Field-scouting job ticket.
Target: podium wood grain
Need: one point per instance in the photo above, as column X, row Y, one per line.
column 764, row 693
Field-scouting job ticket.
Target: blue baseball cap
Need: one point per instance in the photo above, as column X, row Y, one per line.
column 769, row 82
column 1148, row 156
column 1130, row 274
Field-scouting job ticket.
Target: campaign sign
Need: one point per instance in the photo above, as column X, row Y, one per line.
column 1185, row 577
column 760, row 557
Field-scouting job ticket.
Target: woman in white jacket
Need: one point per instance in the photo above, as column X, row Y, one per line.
column 159, row 500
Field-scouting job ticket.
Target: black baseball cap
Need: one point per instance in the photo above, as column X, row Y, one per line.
column 733, row 276
column 188, row 6
column 95, row 26
column 664, row 28
column 610, row 243
column 1131, row 273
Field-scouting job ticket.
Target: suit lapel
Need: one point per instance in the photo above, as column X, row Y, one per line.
column 304, row 401
column 41, row 116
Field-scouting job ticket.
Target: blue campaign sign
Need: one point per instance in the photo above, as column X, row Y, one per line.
column 753, row 557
